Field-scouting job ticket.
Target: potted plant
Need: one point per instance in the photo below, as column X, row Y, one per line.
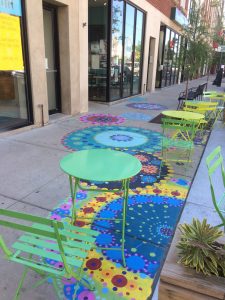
column 200, row 250
column 195, row 265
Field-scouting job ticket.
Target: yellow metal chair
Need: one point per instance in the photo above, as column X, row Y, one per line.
column 208, row 109
column 219, row 97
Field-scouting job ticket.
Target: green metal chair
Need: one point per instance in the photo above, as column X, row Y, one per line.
column 215, row 161
column 48, row 239
column 177, row 140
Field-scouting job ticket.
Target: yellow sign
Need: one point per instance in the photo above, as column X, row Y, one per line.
column 11, row 57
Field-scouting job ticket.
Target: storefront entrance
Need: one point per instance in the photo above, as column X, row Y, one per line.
column 52, row 58
column 15, row 101
column 169, row 66
column 115, row 49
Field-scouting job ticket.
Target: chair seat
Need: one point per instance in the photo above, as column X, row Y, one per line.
column 37, row 252
column 169, row 143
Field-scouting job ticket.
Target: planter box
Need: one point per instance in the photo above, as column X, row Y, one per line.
column 180, row 283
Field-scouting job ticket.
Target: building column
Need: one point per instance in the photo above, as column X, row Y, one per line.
column 36, row 49
column 73, row 45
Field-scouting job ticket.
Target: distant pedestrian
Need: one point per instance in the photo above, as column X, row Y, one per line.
column 219, row 77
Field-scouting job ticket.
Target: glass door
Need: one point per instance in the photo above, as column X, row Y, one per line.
column 117, row 49
column 137, row 68
column 52, row 59
column 126, row 50
column 128, row 62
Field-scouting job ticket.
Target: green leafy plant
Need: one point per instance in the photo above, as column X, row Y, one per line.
column 199, row 249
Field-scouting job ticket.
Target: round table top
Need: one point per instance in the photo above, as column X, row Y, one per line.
column 185, row 115
column 101, row 165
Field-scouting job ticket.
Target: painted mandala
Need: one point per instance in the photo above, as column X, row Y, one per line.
column 147, row 106
column 114, row 137
column 149, row 218
column 102, row 119
column 135, row 99
column 152, row 216
column 149, row 174
column 136, row 117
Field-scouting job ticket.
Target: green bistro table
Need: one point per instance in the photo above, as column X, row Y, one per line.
column 184, row 115
column 101, row 165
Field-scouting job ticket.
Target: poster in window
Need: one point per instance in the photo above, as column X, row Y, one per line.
column 11, row 56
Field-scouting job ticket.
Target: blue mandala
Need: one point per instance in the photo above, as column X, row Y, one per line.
column 134, row 99
column 136, row 117
column 114, row 137
column 147, row 176
column 147, row 106
column 151, row 221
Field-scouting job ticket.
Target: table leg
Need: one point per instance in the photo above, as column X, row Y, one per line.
column 73, row 191
column 125, row 200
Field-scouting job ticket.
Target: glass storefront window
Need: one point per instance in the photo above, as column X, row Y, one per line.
column 176, row 59
column 160, row 59
column 166, row 62
column 114, row 72
column 138, row 52
column 13, row 82
column 169, row 59
column 128, row 50
column 117, row 48
column 98, row 40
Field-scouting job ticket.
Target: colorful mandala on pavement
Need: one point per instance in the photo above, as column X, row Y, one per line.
column 136, row 117
column 147, row 106
column 102, row 119
column 151, row 220
column 149, row 174
column 115, row 137
column 134, row 99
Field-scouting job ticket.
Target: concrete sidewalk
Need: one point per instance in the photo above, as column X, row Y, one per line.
column 31, row 180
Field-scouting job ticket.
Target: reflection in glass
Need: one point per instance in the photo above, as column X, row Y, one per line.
column 13, row 100
column 128, row 50
column 175, row 60
column 97, row 38
column 137, row 53
column 117, row 49
column 51, row 71
column 160, row 59
column 171, row 59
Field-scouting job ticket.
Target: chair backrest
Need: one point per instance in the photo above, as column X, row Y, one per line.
column 200, row 107
column 169, row 125
column 58, row 232
column 214, row 161
column 214, row 95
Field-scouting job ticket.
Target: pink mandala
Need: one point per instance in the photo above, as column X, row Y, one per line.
column 102, row 119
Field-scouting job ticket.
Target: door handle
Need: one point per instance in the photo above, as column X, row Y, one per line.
column 51, row 71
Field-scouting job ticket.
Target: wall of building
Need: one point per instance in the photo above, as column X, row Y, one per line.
column 163, row 6
column 73, row 52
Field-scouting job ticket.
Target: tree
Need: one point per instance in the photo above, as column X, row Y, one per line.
column 218, row 33
column 197, row 49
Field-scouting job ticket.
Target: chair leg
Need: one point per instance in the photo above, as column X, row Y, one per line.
column 56, row 288
column 17, row 294
column 125, row 199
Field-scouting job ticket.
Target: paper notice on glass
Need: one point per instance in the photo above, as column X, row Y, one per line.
column 102, row 47
column 11, row 56
column 95, row 47
column 95, row 62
